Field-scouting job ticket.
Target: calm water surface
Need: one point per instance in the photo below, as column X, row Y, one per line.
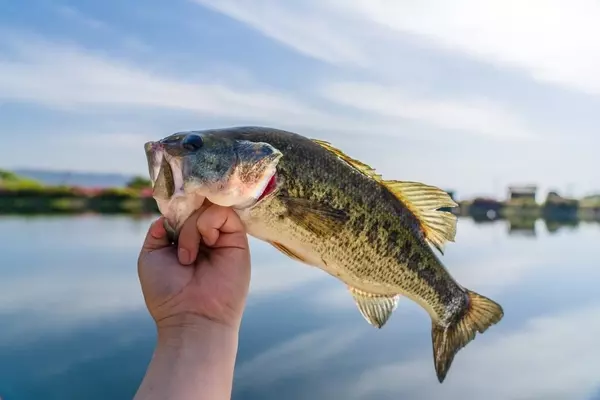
column 73, row 324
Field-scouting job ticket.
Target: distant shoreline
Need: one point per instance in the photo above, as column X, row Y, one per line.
column 65, row 200
column 68, row 201
column 21, row 195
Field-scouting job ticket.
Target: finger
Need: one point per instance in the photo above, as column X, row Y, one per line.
column 212, row 225
column 217, row 222
column 189, row 237
column 156, row 238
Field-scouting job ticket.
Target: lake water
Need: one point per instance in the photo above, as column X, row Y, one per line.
column 73, row 324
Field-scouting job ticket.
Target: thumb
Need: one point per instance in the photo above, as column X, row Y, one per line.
column 156, row 238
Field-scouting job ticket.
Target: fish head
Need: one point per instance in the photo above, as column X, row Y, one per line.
column 187, row 168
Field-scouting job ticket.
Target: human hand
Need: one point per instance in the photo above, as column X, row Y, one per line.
column 205, row 279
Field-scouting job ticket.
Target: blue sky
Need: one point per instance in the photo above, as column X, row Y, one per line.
column 472, row 96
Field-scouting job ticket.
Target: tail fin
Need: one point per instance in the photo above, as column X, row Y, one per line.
column 447, row 341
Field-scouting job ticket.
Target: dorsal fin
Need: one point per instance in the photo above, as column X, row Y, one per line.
column 361, row 167
column 423, row 200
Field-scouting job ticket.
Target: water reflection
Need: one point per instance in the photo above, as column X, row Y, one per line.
column 74, row 324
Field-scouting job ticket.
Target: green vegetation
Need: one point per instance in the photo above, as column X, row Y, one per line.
column 11, row 181
column 139, row 183
column 19, row 195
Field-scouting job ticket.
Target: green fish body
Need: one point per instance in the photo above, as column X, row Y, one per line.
column 378, row 237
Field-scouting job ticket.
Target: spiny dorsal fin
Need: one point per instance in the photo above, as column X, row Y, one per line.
column 360, row 166
column 375, row 308
column 424, row 201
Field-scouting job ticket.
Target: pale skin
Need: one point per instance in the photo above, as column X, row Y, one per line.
column 196, row 294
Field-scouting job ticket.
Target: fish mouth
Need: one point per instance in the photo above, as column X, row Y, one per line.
column 161, row 165
column 174, row 165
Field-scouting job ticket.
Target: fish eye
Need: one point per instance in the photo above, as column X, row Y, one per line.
column 192, row 142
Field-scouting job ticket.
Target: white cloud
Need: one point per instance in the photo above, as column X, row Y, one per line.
column 300, row 25
column 124, row 140
column 537, row 361
column 69, row 77
column 551, row 40
column 294, row 356
column 478, row 116
column 343, row 34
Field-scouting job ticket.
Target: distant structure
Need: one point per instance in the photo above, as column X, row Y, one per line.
column 522, row 192
column 555, row 198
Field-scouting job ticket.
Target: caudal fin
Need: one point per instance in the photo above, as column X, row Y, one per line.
column 447, row 341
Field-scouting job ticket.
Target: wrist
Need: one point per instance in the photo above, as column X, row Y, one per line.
column 190, row 327
column 193, row 355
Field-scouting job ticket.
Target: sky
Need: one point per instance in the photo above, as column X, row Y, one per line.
column 470, row 96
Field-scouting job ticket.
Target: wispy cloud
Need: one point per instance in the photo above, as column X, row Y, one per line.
column 354, row 40
column 296, row 355
column 551, row 40
column 69, row 77
column 536, row 361
column 77, row 16
column 299, row 24
column 477, row 116
column 547, row 39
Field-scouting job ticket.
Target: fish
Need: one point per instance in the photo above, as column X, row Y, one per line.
column 323, row 208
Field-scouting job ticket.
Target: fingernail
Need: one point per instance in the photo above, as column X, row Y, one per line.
column 184, row 256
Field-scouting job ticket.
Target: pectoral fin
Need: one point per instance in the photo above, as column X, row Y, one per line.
column 376, row 309
column 288, row 252
column 321, row 219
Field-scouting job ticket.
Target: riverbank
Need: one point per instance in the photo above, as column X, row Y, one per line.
column 552, row 209
column 65, row 200
column 72, row 201
column 19, row 195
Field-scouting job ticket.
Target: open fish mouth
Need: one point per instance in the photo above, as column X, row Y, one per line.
column 166, row 174
column 166, row 171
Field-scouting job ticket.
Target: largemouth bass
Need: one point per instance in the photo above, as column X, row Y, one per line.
column 323, row 208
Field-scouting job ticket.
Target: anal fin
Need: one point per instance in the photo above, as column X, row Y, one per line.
column 375, row 308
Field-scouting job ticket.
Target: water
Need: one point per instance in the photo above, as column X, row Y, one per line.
column 73, row 323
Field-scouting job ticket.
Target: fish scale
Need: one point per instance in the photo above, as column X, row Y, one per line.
column 338, row 214
column 386, row 257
